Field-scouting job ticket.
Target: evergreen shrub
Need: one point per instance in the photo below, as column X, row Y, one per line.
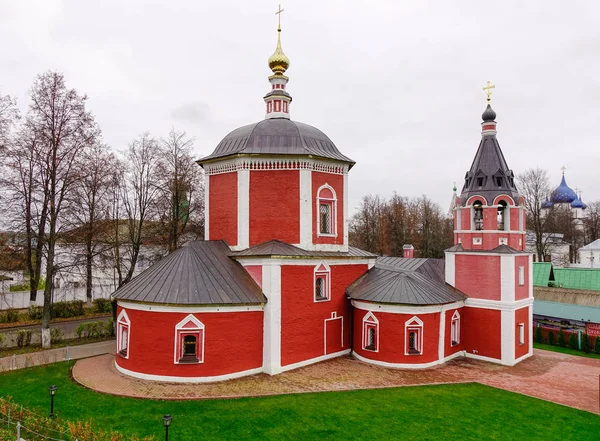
column 573, row 341
column 551, row 340
column 585, row 343
column 562, row 342
column 35, row 312
column 56, row 335
column 23, row 338
column 74, row 308
column 538, row 334
column 597, row 345
column 102, row 305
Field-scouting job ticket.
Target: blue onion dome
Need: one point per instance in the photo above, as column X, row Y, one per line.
column 563, row 194
column 578, row 203
column 488, row 114
column 546, row 204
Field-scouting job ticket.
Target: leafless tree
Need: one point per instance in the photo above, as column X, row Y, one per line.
column 180, row 200
column 62, row 129
column 9, row 114
column 592, row 221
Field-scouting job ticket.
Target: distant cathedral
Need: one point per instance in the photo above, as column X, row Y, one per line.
column 275, row 285
column 565, row 199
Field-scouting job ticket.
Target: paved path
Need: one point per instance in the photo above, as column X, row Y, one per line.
column 561, row 378
column 54, row 355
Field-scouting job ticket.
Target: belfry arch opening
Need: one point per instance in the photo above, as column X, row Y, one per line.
column 502, row 215
column 478, row 215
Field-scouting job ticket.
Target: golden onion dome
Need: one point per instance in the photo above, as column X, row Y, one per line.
column 279, row 62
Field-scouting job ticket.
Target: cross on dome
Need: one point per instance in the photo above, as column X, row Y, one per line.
column 488, row 91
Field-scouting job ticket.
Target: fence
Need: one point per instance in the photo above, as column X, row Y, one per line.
column 20, row 299
column 567, row 333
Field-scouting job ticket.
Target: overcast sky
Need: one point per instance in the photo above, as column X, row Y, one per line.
column 395, row 84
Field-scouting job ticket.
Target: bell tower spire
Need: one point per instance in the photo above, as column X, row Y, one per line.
column 278, row 100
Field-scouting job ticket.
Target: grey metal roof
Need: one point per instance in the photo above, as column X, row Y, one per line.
column 405, row 281
column 489, row 164
column 278, row 248
column 198, row 273
column 277, row 136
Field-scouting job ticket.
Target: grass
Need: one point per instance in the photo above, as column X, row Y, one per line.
column 569, row 351
column 447, row 412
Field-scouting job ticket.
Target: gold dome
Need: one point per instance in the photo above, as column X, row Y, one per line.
column 279, row 62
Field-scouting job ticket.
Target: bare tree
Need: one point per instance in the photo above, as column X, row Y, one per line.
column 181, row 191
column 63, row 128
column 592, row 222
column 9, row 114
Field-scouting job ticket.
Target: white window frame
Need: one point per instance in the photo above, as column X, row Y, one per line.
column 521, row 334
column 322, row 271
column 123, row 325
column 370, row 322
column 521, row 275
column 332, row 202
column 181, row 331
column 455, row 329
column 413, row 325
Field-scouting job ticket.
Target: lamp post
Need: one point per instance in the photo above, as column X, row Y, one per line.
column 167, row 422
column 52, row 390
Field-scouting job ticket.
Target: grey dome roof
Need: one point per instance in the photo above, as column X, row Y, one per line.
column 488, row 114
column 277, row 136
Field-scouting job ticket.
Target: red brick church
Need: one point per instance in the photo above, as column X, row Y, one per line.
column 275, row 285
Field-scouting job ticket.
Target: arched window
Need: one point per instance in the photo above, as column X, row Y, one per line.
column 189, row 341
column 322, row 282
column 123, row 334
column 370, row 333
column 502, row 214
column 413, row 331
column 478, row 215
column 326, row 211
column 455, row 329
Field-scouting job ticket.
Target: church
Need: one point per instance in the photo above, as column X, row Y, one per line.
column 275, row 285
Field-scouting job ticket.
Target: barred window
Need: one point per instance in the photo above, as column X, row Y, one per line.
column 326, row 210
column 320, row 288
column 325, row 221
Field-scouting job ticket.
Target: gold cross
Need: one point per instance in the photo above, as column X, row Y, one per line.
column 278, row 13
column 488, row 90
column 563, row 168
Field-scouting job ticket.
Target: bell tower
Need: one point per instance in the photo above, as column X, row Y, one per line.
column 488, row 261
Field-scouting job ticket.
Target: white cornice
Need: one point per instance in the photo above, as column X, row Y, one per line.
column 274, row 162
column 499, row 306
column 405, row 309
column 153, row 307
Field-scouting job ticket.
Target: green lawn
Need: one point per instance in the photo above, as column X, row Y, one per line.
column 569, row 351
column 447, row 412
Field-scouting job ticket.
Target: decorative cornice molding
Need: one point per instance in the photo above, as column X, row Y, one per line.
column 274, row 163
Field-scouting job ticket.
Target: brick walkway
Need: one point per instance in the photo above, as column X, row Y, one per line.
column 561, row 378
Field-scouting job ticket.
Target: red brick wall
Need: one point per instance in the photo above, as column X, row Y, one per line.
column 465, row 218
column 448, row 348
column 478, row 276
column 521, row 292
column 223, row 207
column 274, row 206
column 337, row 182
column 227, row 349
column 303, row 319
column 256, row 272
column 481, row 332
column 392, row 337
column 514, row 219
column 522, row 316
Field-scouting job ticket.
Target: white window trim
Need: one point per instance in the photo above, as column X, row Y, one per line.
column 521, row 276
column 370, row 321
column 198, row 329
column 455, row 329
column 334, row 203
column 123, row 322
column 326, row 274
column 521, row 334
column 413, row 324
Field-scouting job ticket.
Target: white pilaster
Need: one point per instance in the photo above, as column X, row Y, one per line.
column 346, row 220
column 507, row 336
column 442, row 334
column 507, row 278
column 451, row 269
column 305, row 208
column 243, row 221
column 206, row 207
column 271, row 278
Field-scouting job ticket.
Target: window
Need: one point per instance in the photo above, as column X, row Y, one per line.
column 501, row 216
column 521, row 275
column 189, row 341
column 499, row 181
column 521, row 333
column 322, row 282
column 413, row 344
column 123, row 325
column 478, row 215
column 285, row 106
column 326, row 211
column 480, row 182
column 455, row 329
column 370, row 336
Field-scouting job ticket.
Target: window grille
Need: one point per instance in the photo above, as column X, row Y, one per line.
column 320, row 288
column 325, row 219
